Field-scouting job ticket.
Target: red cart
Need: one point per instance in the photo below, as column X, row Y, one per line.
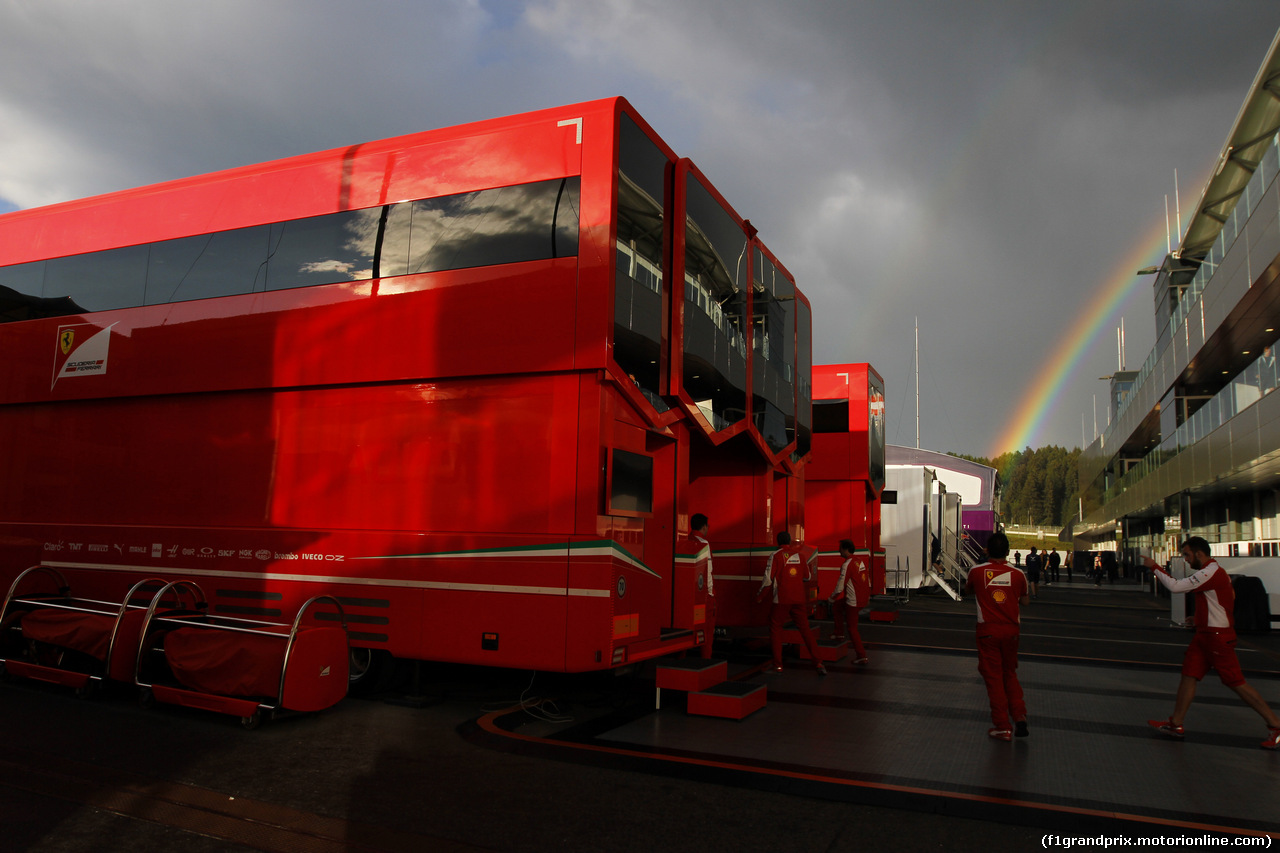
column 52, row 636
column 246, row 668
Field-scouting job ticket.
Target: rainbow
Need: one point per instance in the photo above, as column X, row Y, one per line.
column 1040, row 399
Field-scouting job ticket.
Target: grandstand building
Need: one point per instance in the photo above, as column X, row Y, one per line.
column 1193, row 446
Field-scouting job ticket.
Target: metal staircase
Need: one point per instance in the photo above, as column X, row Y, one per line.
column 949, row 575
column 952, row 573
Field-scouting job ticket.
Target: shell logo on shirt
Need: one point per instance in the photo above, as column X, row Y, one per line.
column 998, row 596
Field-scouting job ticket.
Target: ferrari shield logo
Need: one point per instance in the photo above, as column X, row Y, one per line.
column 82, row 350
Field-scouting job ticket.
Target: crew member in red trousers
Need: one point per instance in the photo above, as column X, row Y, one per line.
column 699, row 526
column 1214, row 645
column 786, row 574
column 999, row 589
column 855, row 584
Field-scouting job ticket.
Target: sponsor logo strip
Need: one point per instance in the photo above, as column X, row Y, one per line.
column 601, row 548
column 335, row 579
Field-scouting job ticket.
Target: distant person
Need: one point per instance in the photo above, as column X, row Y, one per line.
column 698, row 525
column 1097, row 570
column 854, row 584
column 999, row 589
column 1067, row 562
column 1034, row 562
column 1055, row 561
column 784, row 582
column 1017, row 559
column 1214, row 644
column 1267, row 377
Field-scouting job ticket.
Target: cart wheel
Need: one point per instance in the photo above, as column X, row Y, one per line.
column 361, row 665
column 146, row 698
column 367, row 671
column 252, row 721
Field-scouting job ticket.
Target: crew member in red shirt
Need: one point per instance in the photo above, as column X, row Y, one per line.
column 999, row 589
column 787, row 572
column 855, row 583
column 699, row 526
column 1214, row 644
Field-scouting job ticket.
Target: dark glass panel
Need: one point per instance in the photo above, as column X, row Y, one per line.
column 1169, row 419
column 99, row 281
column 20, row 299
column 641, row 159
column 529, row 222
column 24, row 278
column 632, row 482
column 637, row 300
column 773, row 343
column 875, row 429
column 324, row 249
column 499, row 226
column 831, row 416
column 394, row 252
column 715, row 305
column 804, row 378
column 207, row 265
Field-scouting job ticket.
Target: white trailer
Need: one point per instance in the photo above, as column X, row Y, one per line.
column 906, row 525
column 949, row 523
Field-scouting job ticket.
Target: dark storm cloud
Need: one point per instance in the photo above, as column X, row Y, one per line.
column 983, row 166
column 1031, row 146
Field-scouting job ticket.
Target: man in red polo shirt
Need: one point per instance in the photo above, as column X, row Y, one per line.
column 786, row 573
column 855, row 583
column 1214, row 645
column 999, row 589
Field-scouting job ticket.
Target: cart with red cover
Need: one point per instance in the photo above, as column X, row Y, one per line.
column 243, row 667
column 47, row 634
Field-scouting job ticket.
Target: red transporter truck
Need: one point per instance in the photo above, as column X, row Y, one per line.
column 845, row 478
column 472, row 383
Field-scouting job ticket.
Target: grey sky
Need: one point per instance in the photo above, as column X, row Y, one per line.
column 985, row 166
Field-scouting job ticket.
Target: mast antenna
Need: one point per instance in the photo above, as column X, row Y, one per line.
column 917, row 383
column 1177, row 206
column 1168, row 240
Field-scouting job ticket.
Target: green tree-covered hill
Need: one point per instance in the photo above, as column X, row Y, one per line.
column 1038, row 487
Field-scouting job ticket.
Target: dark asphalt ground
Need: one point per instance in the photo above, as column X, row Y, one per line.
column 380, row 773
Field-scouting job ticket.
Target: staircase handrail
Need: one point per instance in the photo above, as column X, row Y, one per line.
column 972, row 552
column 953, row 570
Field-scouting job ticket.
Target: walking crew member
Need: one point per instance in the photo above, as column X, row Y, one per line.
column 999, row 589
column 787, row 573
column 855, row 583
column 699, row 526
column 1035, row 563
column 1214, row 644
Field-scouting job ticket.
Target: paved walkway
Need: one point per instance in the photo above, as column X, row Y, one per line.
column 909, row 729
column 889, row 756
